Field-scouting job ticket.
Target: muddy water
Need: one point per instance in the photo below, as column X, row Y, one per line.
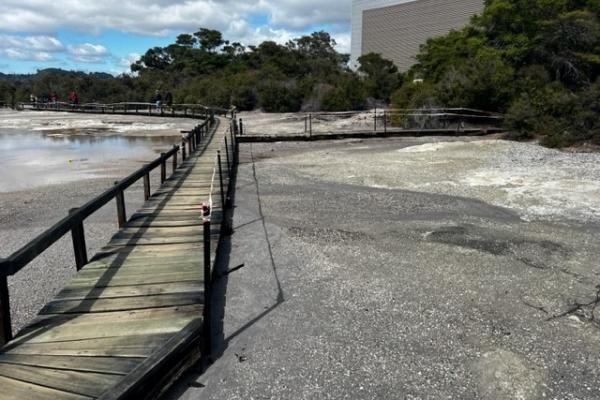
column 30, row 158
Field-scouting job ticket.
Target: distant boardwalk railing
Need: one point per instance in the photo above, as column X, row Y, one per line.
column 371, row 123
column 127, row 108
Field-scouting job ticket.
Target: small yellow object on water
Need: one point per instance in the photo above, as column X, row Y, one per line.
column 70, row 161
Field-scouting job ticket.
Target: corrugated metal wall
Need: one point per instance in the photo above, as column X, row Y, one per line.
column 397, row 31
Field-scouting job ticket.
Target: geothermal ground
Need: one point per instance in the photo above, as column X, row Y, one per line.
column 428, row 268
column 409, row 269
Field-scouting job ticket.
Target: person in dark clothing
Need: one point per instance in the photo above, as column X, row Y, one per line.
column 169, row 99
column 158, row 100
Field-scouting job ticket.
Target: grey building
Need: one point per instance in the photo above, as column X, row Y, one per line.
column 396, row 28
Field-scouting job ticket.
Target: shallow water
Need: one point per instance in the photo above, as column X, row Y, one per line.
column 30, row 158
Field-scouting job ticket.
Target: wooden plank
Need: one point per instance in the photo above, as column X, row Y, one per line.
column 11, row 389
column 121, row 303
column 74, row 293
column 108, row 261
column 148, row 381
column 151, row 268
column 87, row 326
column 163, row 223
column 110, row 365
column 82, row 383
column 175, row 230
column 148, row 241
column 133, row 346
column 192, row 275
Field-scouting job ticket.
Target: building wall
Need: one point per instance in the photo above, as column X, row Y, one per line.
column 397, row 30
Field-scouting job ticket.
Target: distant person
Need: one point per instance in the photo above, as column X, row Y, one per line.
column 158, row 100
column 73, row 98
column 32, row 98
column 169, row 99
column 54, row 99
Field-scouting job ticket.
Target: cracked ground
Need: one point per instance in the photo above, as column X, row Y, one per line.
column 370, row 273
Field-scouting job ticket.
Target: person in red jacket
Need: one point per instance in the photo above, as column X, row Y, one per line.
column 74, row 98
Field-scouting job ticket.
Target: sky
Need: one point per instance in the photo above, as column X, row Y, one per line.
column 108, row 35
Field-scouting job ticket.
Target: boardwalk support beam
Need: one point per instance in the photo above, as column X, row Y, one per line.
column 163, row 168
column 79, row 247
column 207, row 289
column 121, row 213
column 146, row 186
column 5, row 323
column 221, row 182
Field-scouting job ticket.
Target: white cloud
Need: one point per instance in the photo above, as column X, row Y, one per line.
column 29, row 48
column 162, row 17
column 88, row 53
column 125, row 62
column 27, row 27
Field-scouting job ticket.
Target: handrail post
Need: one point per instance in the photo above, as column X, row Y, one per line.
column 375, row 121
column 384, row 122
column 221, row 182
column 121, row 212
column 146, row 186
column 5, row 322
column 189, row 142
column 207, row 288
column 232, row 138
column 310, row 124
column 241, row 127
column 163, row 168
column 227, row 156
column 175, row 158
column 183, row 155
column 79, row 247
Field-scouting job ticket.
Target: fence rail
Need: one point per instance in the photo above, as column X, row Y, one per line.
column 376, row 120
column 74, row 221
column 134, row 108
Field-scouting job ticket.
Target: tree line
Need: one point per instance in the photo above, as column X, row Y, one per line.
column 536, row 61
column 306, row 74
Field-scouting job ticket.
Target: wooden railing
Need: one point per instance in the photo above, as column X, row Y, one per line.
column 74, row 221
column 139, row 108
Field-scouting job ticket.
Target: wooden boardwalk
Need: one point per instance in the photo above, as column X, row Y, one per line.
column 136, row 308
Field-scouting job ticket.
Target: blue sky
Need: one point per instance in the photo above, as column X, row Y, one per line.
column 108, row 35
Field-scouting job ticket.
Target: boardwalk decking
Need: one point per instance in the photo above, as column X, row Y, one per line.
column 133, row 307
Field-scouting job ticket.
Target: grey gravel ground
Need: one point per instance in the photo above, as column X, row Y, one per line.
column 356, row 292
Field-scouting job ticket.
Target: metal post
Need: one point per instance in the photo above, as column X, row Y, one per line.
column 234, row 145
column 305, row 123
column 79, row 247
column 385, row 122
column 221, row 181
column 375, row 121
column 183, row 155
column 163, row 168
column 241, row 127
column 175, row 158
column 146, row 186
column 227, row 157
column 121, row 213
column 189, row 142
column 207, row 288
column 5, row 322
column 310, row 124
